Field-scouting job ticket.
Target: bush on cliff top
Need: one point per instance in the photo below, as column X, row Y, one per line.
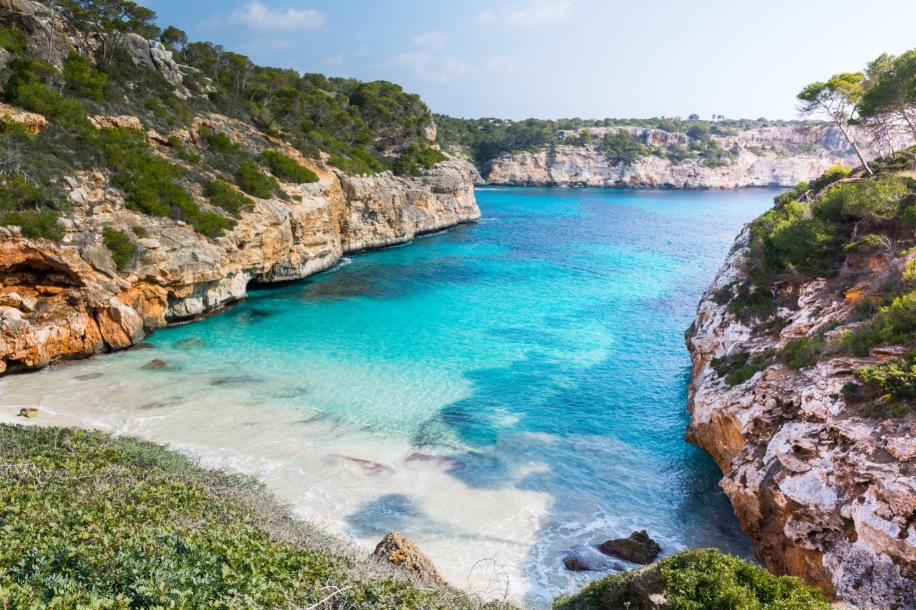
column 697, row 580
column 91, row 521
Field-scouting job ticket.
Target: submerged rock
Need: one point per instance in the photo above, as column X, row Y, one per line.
column 404, row 554
column 155, row 365
column 637, row 548
column 191, row 343
column 574, row 564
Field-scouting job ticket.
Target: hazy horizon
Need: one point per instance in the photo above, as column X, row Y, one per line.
column 554, row 59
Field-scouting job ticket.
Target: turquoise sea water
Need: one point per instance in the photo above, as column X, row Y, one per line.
column 511, row 390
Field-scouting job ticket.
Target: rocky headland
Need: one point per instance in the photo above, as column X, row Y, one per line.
column 68, row 299
column 771, row 156
column 826, row 491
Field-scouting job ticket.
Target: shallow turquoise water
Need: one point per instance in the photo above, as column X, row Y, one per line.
column 541, row 350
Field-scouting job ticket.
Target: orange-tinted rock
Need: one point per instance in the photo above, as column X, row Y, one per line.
column 404, row 554
column 825, row 493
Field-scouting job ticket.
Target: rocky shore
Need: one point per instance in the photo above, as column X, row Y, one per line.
column 68, row 300
column 826, row 494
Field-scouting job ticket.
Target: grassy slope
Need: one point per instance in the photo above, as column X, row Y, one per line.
column 91, row 521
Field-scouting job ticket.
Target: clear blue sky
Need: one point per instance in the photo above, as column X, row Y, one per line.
column 564, row 58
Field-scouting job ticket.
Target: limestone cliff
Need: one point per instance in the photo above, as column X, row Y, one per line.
column 762, row 157
column 68, row 300
column 826, row 494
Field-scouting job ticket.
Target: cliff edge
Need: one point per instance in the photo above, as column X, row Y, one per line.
column 818, row 467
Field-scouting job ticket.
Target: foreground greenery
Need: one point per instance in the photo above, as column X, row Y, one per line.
column 91, row 521
column 697, row 580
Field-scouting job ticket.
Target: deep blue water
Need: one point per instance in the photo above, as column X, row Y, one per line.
column 541, row 348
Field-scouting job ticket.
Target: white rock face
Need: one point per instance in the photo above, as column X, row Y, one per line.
column 826, row 494
column 757, row 164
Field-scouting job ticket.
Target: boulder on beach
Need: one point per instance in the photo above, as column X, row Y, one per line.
column 401, row 552
column 29, row 413
column 637, row 548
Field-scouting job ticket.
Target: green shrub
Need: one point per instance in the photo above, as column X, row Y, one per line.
column 876, row 199
column 867, row 243
column 150, row 181
column 834, row 174
column 43, row 100
column 415, row 159
column 894, row 324
column 738, row 367
column 12, row 39
column 750, row 303
column 223, row 196
column 788, row 238
column 28, row 88
column 803, row 352
column 697, row 580
column 25, row 205
column 287, row 169
column 219, row 141
column 120, row 245
column 84, row 80
column 43, row 223
column 896, row 378
column 91, row 521
column 255, row 182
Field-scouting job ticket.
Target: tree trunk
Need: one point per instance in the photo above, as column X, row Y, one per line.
column 855, row 147
column 51, row 32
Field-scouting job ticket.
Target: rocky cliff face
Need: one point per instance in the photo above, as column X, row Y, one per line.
column 757, row 163
column 68, row 300
column 825, row 493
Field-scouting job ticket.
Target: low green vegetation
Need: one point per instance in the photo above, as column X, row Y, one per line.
column 697, row 580
column 415, row 159
column 889, row 388
column 30, row 86
column 287, row 169
column 13, row 39
column 120, row 245
column 219, row 141
column 27, row 206
column 222, row 195
column 84, row 80
column 803, row 352
column 738, row 367
column 487, row 138
column 151, row 182
column 256, row 183
column 91, row 521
